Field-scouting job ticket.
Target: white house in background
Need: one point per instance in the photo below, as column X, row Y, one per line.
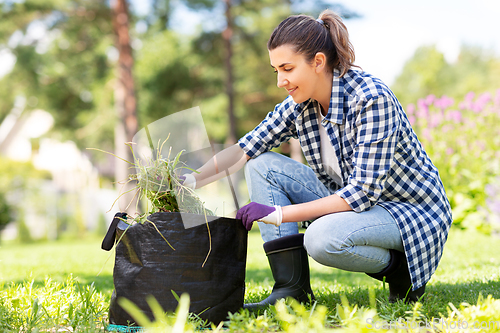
column 72, row 172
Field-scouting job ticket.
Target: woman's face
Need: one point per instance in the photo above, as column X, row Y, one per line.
column 294, row 74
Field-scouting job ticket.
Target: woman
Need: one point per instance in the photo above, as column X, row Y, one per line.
column 376, row 199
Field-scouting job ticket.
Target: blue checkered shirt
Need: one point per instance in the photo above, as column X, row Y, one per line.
column 382, row 161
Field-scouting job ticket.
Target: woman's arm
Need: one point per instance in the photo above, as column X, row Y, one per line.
column 314, row 209
column 229, row 160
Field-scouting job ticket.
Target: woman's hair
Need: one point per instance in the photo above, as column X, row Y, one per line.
column 308, row 36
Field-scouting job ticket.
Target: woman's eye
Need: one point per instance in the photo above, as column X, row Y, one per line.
column 284, row 69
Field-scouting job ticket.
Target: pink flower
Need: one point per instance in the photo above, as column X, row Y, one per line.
column 435, row 120
column 427, row 134
column 454, row 115
column 430, row 99
column 461, row 142
column 444, row 102
column 449, row 151
column 480, row 145
column 490, row 190
column 470, row 96
column 423, row 110
column 481, row 102
column 446, row 128
column 470, row 124
column 467, row 103
column 497, row 101
column 411, row 108
column 412, row 120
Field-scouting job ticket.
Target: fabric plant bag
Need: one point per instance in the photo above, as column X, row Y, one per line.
column 208, row 263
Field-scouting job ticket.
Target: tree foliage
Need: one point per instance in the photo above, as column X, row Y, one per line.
column 63, row 67
column 428, row 72
column 5, row 211
column 69, row 71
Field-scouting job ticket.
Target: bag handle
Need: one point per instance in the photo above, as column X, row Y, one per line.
column 109, row 239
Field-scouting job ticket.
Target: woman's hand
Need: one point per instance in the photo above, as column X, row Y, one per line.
column 258, row 212
column 188, row 180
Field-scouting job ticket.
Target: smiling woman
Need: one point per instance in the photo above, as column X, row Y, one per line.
column 375, row 199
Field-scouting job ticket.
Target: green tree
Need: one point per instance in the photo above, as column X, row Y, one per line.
column 125, row 102
column 477, row 70
column 71, row 75
column 159, row 17
column 428, row 72
column 66, row 71
column 5, row 212
column 176, row 72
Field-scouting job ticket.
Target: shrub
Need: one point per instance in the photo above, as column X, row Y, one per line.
column 5, row 212
column 463, row 141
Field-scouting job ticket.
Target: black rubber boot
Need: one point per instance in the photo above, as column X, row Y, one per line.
column 290, row 268
column 398, row 277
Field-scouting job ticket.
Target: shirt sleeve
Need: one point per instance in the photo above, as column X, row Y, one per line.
column 276, row 128
column 377, row 126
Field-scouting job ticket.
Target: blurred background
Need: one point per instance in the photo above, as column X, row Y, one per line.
column 78, row 74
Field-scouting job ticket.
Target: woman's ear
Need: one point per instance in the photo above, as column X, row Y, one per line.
column 319, row 62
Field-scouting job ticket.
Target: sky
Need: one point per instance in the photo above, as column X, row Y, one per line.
column 389, row 31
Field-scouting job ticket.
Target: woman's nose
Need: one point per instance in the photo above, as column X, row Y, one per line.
column 282, row 81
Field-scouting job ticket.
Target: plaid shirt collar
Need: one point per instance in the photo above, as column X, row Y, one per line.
column 336, row 108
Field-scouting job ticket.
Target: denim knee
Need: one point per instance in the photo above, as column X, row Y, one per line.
column 337, row 241
column 260, row 163
column 322, row 246
column 313, row 245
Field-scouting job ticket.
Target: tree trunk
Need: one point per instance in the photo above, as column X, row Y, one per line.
column 227, row 34
column 125, row 103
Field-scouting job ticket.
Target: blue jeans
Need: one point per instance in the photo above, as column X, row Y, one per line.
column 358, row 242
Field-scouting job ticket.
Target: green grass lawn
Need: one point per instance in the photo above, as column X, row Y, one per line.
column 470, row 267
column 84, row 259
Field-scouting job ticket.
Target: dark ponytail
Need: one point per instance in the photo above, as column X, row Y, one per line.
column 308, row 36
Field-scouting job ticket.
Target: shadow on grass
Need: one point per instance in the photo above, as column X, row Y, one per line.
column 466, row 292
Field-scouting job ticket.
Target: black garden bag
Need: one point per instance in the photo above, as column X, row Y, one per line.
column 146, row 265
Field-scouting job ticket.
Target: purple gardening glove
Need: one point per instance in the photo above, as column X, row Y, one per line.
column 253, row 212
